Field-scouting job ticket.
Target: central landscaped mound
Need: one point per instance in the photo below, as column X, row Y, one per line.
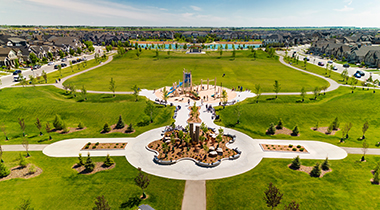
column 205, row 146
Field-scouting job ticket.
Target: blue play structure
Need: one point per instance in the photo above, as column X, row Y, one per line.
column 172, row 90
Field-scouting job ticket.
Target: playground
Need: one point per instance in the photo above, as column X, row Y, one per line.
column 186, row 91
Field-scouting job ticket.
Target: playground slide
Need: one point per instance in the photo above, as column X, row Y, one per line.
column 172, row 90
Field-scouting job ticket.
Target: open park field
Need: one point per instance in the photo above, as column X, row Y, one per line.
column 61, row 187
column 46, row 102
column 355, row 108
column 151, row 72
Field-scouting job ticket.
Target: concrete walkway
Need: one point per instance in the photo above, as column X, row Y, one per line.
column 333, row 84
column 370, row 151
column 194, row 196
column 19, row 147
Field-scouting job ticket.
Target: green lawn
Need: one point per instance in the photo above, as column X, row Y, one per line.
column 348, row 186
column 60, row 187
column 45, row 102
column 357, row 107
column 152, row 73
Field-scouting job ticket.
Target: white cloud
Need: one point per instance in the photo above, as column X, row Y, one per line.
column 349, row 2
column 187, row 15
column 163, row 9
column 344, row 9
column 196, row 8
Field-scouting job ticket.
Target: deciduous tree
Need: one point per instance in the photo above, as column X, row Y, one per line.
column 142, row 181
column 272, row 196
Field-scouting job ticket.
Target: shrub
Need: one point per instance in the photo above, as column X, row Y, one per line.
column 106, row 128
column 80, row 125
column 89, row 165
column 326, row 164
column 97, row 143
column 316, row 172
column 280, row 124
column 296, row 163
column 335, row 124
column 109, row 161
column 290, row 145
column 32, row 169
column 94, row 147
column 130, row 128
column 120, row 124
column 87, row 146
column 294, row 149
column 80, row 160
column 58, row 123
column 65, row 129
column 144, row 121
column 296, row 131
column 330, row 128
column 89, row 143
column 298, row 146
column 302, row 149
column 4, row 171
column 22, row 162
column 271, row 129
column 376, row 177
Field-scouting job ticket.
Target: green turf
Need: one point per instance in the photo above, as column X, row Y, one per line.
column 60, row 187
column 357, row 107
column 45, row 102
column 348, row 186
column 152, row 73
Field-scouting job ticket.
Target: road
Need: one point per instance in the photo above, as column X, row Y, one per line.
column 300, row 50
column 7, row 81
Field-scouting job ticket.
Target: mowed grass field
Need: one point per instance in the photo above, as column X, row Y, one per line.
column 151, row 72
column 348, row 186
column 61, row 187
column 44, row 103
column 355, row 108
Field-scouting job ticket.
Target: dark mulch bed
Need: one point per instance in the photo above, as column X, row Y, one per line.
column 98, row 167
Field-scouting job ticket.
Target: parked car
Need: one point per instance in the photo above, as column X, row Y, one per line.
column 18, row 78
column 36, row 67
column 51, row 63
column 320, row 64
column 346, row 65
column 335, row 68
column 63, row 59
column 63, row 65
column 17, row 72
column 357, row 75
column 360, row 72
column 306, row 58
column 330, row 61
column 56, row 67
column 74, row 61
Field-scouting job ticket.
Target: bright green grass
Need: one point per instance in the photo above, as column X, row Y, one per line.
column 67, row 71
column 60, row 187
column 355, row 107
column 151, row 73
column 348, row 186
column 45, row 102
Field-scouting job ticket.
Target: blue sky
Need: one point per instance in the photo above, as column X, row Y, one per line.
column 217, row 13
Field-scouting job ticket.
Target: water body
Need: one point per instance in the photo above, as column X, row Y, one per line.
column 206, row 46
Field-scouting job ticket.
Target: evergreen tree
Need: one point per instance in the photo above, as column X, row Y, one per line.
column 4, row 171
column 316, row 172
column 296, row 131
column 271, row 129
column 376, row 177
column 326, row 164
column 109, row 161
column 89, row 165
column 336, row 124
column 120, row 124
column 280, row 125
column 296, row 163
column 58, row 123
column 106, row 128
column 80, row 160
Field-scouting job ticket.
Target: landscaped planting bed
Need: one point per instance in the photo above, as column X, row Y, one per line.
column 100, row 146
column 175, row 149
column 283, row 148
